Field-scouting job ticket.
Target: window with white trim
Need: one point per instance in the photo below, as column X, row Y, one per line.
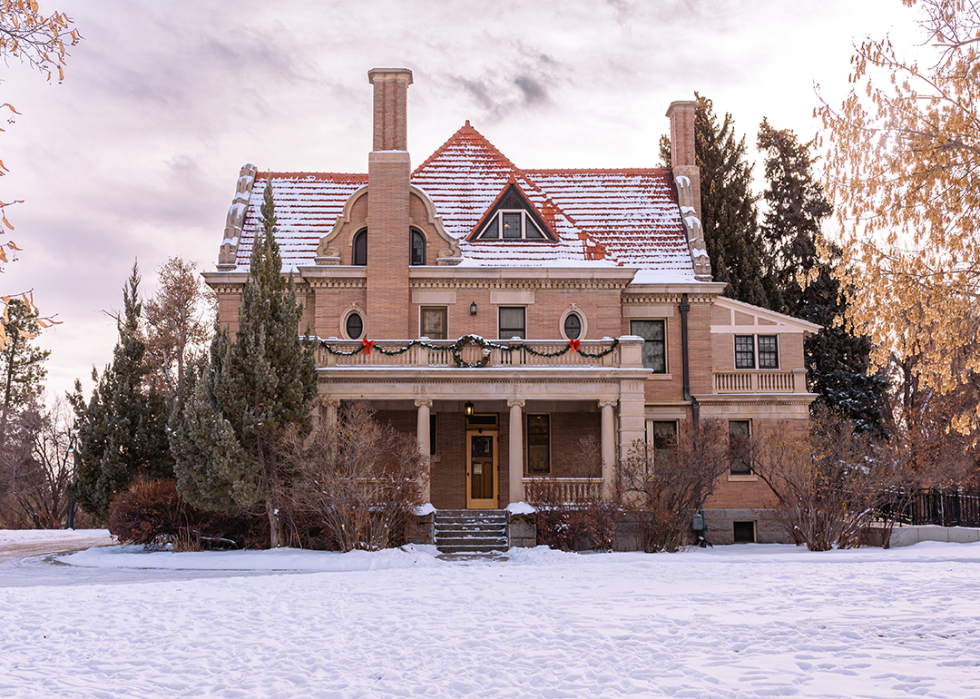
column 747, row 347
column 513, row 322
column 508, row 224
column 768, row 352
column 739, row 434
column 745, row 351
column 654, row 334
column 433, row 322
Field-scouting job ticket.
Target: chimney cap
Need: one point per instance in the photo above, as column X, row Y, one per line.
column 682, row 106
column 390, row 74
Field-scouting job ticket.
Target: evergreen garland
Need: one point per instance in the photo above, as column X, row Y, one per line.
column 457, row 347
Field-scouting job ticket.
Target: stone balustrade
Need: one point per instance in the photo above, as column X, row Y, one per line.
column 626, row 354
column 562, row 490
column 760, row 381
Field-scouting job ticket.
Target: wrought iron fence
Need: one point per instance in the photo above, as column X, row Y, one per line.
column 934, row 506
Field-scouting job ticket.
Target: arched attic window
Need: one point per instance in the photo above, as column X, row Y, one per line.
column 418, row 248
column 359, row 256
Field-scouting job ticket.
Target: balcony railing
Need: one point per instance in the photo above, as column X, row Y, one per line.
column 760, row 381
column 497, row 353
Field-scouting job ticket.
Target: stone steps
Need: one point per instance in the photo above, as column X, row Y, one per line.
column 471, row 531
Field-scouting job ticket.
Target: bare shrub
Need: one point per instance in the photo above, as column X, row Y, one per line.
column 152, row 513
column 660, row 489
column 832, row 482
column 576, row 523
column 36, row 468
column 361, row 479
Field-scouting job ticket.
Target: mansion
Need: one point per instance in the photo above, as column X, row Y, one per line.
column 592, row 288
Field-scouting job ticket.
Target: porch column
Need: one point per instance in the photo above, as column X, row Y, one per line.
column 608, row 449
column 516, row 463
column 632, row 418
column 423, row 405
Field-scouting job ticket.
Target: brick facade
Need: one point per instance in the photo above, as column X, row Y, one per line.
column 591, row 269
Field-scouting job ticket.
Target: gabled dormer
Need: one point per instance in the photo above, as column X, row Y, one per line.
column 512, row 217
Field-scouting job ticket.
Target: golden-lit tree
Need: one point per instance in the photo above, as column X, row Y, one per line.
column 179, row 324
column 903, row 168
column 41, row 41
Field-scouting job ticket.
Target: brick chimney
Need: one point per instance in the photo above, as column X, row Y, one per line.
column 682, row 160
column 389, row 169
column 687, row 179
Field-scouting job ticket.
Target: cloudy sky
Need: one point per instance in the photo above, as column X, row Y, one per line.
column 136, row 154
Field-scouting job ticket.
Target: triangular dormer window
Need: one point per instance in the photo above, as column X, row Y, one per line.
column 512, row 218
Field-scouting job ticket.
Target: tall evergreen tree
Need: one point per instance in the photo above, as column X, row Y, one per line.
column 837, row 360
column 228, row 443
column 22, row 369
column 122, row 428
column 728, row 209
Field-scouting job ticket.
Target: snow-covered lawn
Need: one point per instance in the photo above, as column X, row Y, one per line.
column 746, row 621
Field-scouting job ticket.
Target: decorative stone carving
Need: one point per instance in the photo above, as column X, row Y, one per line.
column 692, row 225
column 236, row 218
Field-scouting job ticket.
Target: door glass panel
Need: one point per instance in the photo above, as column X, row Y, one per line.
column 482, row 448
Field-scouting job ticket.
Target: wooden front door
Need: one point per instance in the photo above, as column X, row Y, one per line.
column 481, row 470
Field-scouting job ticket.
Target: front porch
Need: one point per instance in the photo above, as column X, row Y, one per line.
column 471, row 409
column 488, row 460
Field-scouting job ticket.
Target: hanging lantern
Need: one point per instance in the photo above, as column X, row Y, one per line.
column 468, row 409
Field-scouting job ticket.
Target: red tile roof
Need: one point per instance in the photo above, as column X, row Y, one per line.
column 601, row 217
column 307, row 206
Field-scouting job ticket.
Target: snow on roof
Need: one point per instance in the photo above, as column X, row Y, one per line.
column 601, row 217
column 307, row 205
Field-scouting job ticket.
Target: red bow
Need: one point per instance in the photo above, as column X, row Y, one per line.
column 574, row 344
column 367, row 345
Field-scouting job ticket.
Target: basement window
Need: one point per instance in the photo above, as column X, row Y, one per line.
column 744, row 532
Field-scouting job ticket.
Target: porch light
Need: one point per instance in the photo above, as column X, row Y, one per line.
column 468, row 409
column 473, row 308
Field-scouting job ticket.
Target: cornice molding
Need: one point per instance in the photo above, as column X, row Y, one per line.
column 802, row 399
column 496, row 283
column 633, row 298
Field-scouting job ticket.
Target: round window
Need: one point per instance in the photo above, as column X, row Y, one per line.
column 355, row 326
column 573, row 326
